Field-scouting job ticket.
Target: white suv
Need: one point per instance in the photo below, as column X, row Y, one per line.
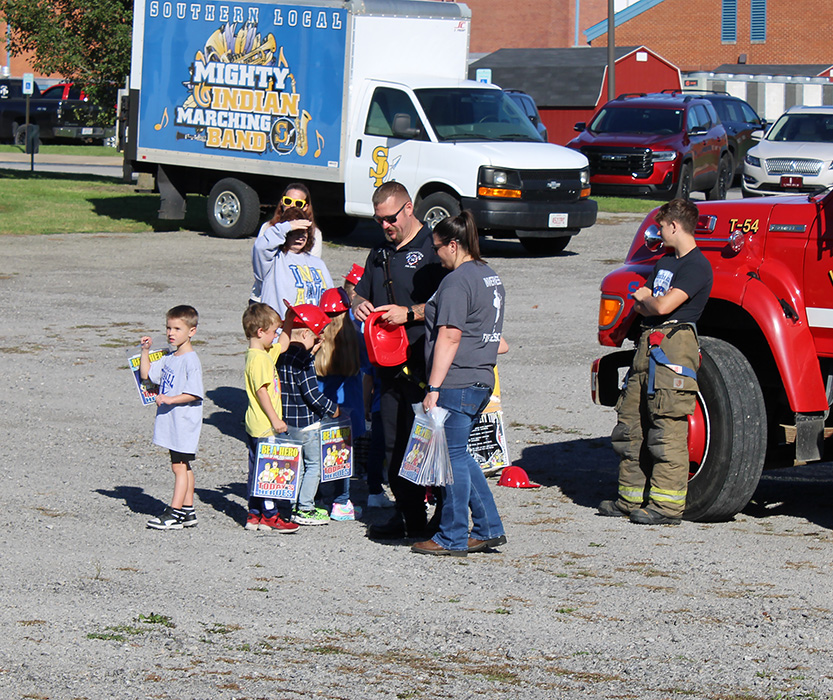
column 796, row 155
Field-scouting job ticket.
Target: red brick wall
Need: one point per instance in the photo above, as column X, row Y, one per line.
column 530, row 24
column 687, row 33
column 18, row 65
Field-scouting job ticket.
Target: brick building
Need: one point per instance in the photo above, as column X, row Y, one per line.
column 698, row 36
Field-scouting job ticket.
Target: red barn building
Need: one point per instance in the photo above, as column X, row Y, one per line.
column 569, row 85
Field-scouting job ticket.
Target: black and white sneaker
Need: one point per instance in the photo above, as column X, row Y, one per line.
column 169, row 520
column 190, row 519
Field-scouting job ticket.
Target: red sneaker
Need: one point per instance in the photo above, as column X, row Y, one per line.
column 278, row 525
column 252, row 521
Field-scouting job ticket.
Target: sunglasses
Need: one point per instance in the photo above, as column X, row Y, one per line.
column 443, row 245
column 289, row 202
column 391, row 219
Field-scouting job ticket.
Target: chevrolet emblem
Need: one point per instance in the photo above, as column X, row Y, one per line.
column 553, row 184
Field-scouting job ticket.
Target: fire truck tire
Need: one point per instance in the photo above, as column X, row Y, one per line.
column 233, row 209
column 734, row 420
column 436, row 207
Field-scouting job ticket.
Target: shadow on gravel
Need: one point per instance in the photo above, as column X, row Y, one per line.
column 801, row 492
column 219, row 500
column 232, row 402
column 136, row 499
column 367, row 234
column 584, row 470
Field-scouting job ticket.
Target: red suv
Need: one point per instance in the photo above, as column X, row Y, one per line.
column 665, row 145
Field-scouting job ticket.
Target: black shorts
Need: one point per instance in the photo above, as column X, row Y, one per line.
column 181, row 457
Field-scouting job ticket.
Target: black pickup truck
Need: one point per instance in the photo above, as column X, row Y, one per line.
column 59, row 111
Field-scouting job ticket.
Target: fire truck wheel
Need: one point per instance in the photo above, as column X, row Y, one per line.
column 233, row 209
column 727, row 434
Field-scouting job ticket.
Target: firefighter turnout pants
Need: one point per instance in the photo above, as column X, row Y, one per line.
column 651, row 435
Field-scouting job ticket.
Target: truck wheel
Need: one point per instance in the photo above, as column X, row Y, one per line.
column 436, row 207
column 683, row 189
column 727, row 434
column 724, row 179
column 544, row 246
column 20, row 136
column 233, row 209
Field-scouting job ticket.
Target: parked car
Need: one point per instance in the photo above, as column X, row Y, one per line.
column 530, row 109
column 796, row 155
column 659, row 144
column 75, row 114
column 739, row 120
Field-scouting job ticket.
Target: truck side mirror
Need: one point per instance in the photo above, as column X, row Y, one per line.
column 402, row 128
column 757, row 135
column 580, row 126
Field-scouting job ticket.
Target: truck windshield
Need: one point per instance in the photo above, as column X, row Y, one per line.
column 637, row 120
column 475, row 114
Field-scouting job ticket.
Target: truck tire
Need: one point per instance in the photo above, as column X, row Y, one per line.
column 20, row 136
column 727, row 434
column 544, row 246
column 724, row 179
column 436, row 207
column 233, row 209
column 683, row 188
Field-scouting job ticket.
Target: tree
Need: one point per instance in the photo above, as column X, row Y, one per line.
column 85, row 41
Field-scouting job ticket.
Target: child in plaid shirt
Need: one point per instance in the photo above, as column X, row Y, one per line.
column 304, row 405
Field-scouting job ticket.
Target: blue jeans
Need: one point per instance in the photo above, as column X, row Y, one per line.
column 310, row 476
column 470, row 490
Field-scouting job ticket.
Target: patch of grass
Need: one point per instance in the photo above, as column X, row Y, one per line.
column 156, row 619
column 502, row 611
column 67, row 149
column 221, row 628
column 627, row 205
column 87, row 204
column 326, row 649
column 565, row 611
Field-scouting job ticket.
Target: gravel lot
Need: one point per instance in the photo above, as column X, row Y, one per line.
column 574, row 606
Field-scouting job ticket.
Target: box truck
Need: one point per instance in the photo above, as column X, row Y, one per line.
column 233, row 100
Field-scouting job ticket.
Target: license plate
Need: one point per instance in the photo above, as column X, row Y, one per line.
column 86, row 131
column 558, row 221
column 789, row 181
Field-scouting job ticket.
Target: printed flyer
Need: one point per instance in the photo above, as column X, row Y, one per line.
column 416, row 451
column 487, row 442
column 147, row 390
column 336, row 449
column 277, row 469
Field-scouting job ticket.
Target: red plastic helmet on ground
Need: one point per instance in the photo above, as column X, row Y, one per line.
column 387, row 344
column 516, row 478
column 355, row 274
column 309, row 316
column 334, row 301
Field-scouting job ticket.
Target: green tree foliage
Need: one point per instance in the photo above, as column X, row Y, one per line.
column 85, row 41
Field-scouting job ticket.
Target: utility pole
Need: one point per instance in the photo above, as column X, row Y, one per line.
column 611, row 52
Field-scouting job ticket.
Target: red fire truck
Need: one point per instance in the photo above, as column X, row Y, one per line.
column 766, row 336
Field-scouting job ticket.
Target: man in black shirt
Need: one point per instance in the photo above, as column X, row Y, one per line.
column 651, row 436
column 399, row 277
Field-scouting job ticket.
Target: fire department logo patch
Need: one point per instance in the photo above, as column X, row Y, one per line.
column 412, row 259
column 678, row 383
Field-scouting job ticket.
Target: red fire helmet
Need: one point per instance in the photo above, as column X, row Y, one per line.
column 355, row 274
column 334, row 301
column 387, row 344
column 516, row 478
column 310, row 316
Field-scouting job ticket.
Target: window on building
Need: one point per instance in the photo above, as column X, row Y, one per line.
column 758, row 21
column 729, row 22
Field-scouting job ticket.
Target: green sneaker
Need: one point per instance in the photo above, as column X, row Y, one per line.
column 317, row 516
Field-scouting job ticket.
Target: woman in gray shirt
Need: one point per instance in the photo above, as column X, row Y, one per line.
column 464, row 322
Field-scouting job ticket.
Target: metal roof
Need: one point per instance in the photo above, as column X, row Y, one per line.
column 553, row 77
column 808, row 70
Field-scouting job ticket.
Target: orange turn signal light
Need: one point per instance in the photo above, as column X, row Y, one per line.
column 610, row 308
column 498, row 192
column 585, row 192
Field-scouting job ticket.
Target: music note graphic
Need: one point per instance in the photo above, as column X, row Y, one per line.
column 161, row 125
column 320, row 139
